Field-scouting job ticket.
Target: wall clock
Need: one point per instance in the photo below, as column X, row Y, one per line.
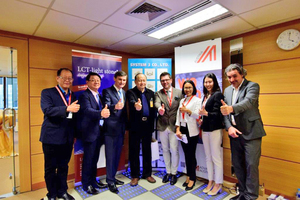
column 288, row 39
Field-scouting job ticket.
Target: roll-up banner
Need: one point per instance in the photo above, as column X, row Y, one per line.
column 106, row 66
column 193, row 62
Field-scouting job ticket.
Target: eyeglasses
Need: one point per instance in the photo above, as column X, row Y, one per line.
column 165, row 80
column 66, row 79
column 93, row 81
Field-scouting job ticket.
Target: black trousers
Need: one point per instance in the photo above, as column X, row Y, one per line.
column 113, row 148
column 135, row 138
column 89, row 162
column 189, row 150
column 56, row 159
column 245, row 156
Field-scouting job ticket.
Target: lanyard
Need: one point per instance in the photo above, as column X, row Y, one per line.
column 63, row 98
column 169, row 99
column 186, row 105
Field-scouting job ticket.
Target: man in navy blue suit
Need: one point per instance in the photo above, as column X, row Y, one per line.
column 91, row 114
column 57, row 134
column 114, row 126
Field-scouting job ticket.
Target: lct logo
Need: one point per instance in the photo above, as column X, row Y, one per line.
column 209, row 52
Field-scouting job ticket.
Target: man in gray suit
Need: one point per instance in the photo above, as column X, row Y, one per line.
column 167, row 102
column 245, row 128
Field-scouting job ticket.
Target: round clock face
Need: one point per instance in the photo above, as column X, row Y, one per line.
column 288, row 39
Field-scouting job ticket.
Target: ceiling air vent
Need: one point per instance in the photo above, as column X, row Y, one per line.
column 147, row 10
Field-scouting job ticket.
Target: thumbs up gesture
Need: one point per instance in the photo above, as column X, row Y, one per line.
column 161, row 111
column 74, row 107
column 203, row 112
column 183, row 109
column 119, row 105
column 225, row 109
column 138, row 105
column 105, row 113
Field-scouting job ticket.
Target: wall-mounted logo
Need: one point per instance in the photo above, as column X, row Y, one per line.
column 210, row 52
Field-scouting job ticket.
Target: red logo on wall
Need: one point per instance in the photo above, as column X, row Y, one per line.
column 209, row 52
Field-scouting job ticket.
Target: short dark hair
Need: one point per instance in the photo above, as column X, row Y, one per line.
column 120, row 73
column 193, row 84
column 238, row 67
column 138, row 75
column 164, row 74
column 92, row 74
column 215, row 81
column 61, row 69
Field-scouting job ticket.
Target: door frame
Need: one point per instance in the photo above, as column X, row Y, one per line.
column 21, row 45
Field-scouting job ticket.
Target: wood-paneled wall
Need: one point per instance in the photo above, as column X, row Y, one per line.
column 278, row 74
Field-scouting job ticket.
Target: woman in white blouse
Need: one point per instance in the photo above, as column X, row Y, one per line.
column 186, row 126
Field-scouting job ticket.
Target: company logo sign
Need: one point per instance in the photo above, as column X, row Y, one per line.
column 209, row 53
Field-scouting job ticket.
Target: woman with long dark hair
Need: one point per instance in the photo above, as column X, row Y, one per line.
column 212, row 125
column 187, row 127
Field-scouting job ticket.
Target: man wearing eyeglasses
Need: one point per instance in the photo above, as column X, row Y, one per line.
column 91, row 114
column 59, row 105
column 114, row 128
column 167, row 102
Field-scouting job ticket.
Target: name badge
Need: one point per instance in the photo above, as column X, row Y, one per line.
column 70, row 115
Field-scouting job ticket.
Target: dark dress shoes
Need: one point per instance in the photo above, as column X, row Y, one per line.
column 238, row 197
column 187, row 188
column 113, row 188
column 91, row 190
column 100, row 185
column 66, row 196
column 173, row 179
column 185, row 184
column 118, row 182
column 166, row 178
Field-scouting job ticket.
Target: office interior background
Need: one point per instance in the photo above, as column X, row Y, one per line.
column 37, row 38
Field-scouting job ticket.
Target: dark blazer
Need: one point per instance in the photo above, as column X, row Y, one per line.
column 246, row 112
column 56, row 128
column 135, row 117
column 90, row 115
column 115, row 123
column 214, row 120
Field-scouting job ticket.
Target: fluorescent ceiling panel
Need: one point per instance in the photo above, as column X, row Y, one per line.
column 192, row 20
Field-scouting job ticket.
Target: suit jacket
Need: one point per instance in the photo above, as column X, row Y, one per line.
column 115, row 124
column 135, row 117
column 169, row 117
column 192, row 125
column 56, row 128
column 245, row 110
column 90, row 115
column 214, row 119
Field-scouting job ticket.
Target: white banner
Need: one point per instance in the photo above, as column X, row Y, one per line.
column 193, row 62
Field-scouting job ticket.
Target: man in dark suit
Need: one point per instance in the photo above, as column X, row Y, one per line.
column 244, row 125
column 141, row 118
column 167, row 102
column 57, row 134
column 91, row 115
column 114, row 128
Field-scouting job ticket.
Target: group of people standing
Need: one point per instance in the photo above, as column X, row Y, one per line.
column 180, row 116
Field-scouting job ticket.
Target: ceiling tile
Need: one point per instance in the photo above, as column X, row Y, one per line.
column 44, row 3
column 97, row 10
column 274, row 13
column 20, row 17
column 63, row 27
column 242, row 6
column 157, row 50
column 104, row 35
column 120, row 19
column 134, row 43
column 224, row 28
